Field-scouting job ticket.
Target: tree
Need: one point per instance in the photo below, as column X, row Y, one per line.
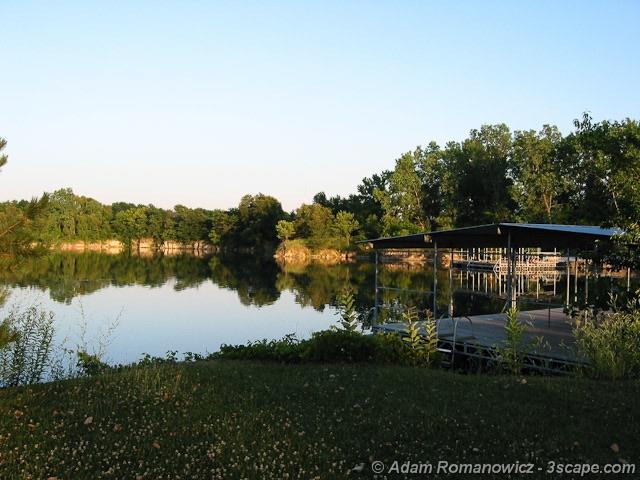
column 192, row 224
column 345, row 224
column 624, row 250
column 258, row 216
column 478, row 186
column 160, row 225
column 224, row 226
column 540, row 177
column 17, row 218
column 17, row 221
column 285, row 230
column 606, row 158
column 430, row 168
column 313, row 222
column 402, row 202
column 131, row 225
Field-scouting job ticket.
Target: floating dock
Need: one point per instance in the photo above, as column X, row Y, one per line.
column 548, row 338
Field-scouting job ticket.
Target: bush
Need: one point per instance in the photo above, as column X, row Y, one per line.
column 329, row 346
column 340, row 346
column 610, row 343
column 392, row 348
column 26, row 354
column 287, row 350
column 91, row 365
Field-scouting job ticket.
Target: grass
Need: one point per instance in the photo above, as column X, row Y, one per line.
column 236, row 419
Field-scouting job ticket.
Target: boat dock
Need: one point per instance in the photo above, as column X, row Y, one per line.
column 548, row 338
column 496, row 261
column 509, row 250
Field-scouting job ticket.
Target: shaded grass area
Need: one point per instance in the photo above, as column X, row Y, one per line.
column 235, row 419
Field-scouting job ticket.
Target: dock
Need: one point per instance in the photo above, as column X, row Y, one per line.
column 496, row 261
column 548, row 339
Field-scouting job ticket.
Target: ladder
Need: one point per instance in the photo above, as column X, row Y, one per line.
column 452, row 337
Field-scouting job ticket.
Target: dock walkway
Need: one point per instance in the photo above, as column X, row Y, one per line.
column 548, row 336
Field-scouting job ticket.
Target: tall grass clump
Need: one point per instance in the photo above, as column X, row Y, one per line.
column 347, row 310
column 422, row 344
column 26, row 344
column 610, row 341
column 511, row 353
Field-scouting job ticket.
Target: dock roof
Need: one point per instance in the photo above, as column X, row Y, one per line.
column 497, row 235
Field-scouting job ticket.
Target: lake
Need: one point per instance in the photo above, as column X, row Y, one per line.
column 131, row 305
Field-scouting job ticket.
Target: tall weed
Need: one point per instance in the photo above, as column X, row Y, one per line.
column 610, row 341
column 27, row 356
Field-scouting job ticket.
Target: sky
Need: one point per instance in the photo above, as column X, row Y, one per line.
column 200, row 102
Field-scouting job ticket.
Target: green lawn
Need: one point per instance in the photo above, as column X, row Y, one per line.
column 226, row 419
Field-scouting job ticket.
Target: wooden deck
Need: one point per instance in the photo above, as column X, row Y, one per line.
column 548, row 334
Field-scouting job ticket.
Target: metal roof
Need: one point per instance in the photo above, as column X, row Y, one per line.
column 498, row 235
column 416, row 240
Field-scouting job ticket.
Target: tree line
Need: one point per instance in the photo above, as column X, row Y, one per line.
column 68, row 217
column 589, row 176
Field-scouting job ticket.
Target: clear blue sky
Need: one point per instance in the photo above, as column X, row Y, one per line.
column 200, row 102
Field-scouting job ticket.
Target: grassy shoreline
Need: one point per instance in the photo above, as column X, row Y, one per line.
column 237, row 419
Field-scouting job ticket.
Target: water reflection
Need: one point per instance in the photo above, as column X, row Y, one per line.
column 195, row 304
column 259, row 280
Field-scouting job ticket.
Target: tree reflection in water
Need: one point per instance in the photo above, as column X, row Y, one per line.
column 258, row 280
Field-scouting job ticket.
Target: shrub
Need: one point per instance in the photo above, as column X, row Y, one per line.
column 25, row 357
column 288, row 349
column 392, row 348
column 340, row 346
column 91, row 365
column 610, row 342
column 328, row 346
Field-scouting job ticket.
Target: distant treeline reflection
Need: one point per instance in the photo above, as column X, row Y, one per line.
column 257, row 280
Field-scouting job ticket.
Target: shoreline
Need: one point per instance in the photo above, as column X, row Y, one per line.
column 144, row 246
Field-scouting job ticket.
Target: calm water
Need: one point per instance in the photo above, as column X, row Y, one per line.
column 156, row 304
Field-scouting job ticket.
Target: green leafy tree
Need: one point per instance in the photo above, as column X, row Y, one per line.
column 402, row 202
column 258, row 216
column 345, row 225
column 477, row 187
column 71, row 217
column 131, row 225
column 17, row 223
column 192, row 224
column 160, row 225
column 541, row 180
column 285, row 230
column 224, row 227
column 17, row 218
column 624, row 249
column 430, row 168
column 607, row 168
column 314, row 222
column 370, row 211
